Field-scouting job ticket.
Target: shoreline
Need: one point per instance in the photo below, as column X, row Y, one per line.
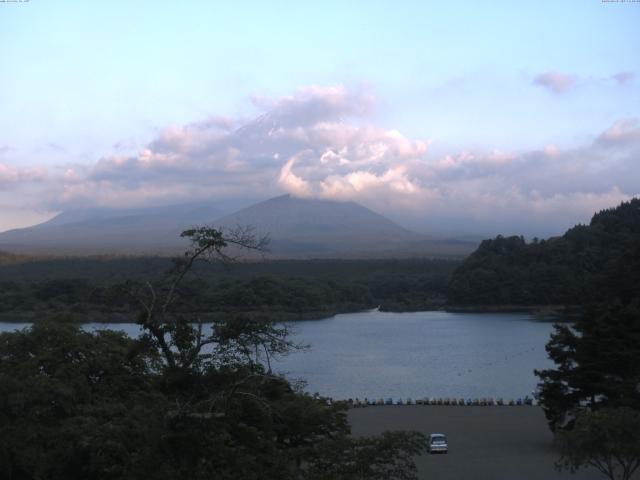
column 545, row 313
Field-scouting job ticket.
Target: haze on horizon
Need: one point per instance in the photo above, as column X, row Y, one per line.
column 465, row 118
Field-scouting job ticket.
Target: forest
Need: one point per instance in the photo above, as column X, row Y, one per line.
column 588, row 264
column 99, row 288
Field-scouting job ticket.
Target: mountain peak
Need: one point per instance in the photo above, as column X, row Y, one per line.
column 319, row 226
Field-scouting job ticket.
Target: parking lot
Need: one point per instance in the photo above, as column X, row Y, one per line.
column 491, row 443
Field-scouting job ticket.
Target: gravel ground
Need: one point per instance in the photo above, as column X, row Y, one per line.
column 485, row 443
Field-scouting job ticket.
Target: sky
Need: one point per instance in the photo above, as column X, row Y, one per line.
column 448, row 117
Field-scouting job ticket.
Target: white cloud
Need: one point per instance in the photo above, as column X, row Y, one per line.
column 291, row 182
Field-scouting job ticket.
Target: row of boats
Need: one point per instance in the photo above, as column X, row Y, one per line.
column 485, row 401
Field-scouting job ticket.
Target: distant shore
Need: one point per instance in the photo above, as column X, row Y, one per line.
column 542, row 313
column 551, row 313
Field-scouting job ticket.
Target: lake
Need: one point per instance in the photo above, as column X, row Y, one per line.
column 380, row 354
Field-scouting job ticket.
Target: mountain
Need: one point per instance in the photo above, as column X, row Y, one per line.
column 588, row 264
column 303, row 228
column 108, row 230
column 321, row 227
column 298, row 228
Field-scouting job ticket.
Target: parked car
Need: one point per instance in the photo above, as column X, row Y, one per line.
column 437, row 442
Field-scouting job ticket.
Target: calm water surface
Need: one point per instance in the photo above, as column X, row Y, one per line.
column 379, row 354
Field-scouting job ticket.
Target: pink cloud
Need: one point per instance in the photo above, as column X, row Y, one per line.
column 11, row 175
column 7, row 174
column 556, row 82
column 623, row 131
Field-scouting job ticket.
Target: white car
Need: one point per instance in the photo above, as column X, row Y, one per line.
column 437, row 443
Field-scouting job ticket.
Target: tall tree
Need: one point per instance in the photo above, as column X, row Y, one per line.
column 598, row 364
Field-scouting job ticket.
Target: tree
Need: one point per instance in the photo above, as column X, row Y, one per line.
column 598, row 365
column 367, row 458
column 607, row 439
column 73, row 407
column 178, row 340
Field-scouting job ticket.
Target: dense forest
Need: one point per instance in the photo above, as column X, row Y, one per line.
column 100, row 288
column 588, row 264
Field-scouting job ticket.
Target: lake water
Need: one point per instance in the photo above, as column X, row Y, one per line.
column 379, row 354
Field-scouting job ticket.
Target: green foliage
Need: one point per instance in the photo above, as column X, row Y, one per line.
column 588, row 264
column 71, row 406
column 607, row 439
column 374, row 458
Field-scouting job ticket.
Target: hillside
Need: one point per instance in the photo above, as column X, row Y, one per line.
column 588, row 264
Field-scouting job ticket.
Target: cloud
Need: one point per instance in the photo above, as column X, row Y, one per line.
column 308, row 131
column 623, row 77
column 7, row 174
column 291, row 182
column 5, row 149
column 56, row 147
column 623, row 131
column 556, row 82
column 319, row 143
column 11, row 176
column 313, row 104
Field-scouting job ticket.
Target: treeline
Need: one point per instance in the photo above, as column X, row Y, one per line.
column 100, row 288
column 7, row 258
column 589, row 264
